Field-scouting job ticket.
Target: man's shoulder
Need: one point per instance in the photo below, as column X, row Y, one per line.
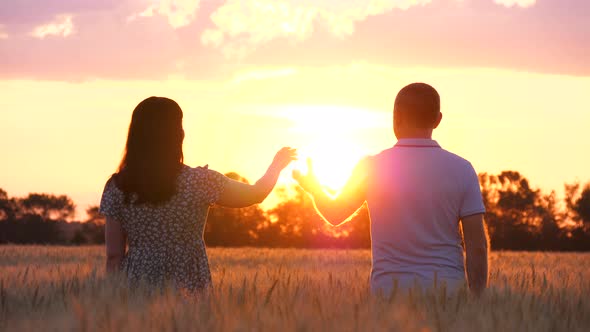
column 455, row 158
column 450, row 156
column 381, row 155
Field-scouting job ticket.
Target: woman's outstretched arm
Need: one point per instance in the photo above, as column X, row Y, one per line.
column 237, row 194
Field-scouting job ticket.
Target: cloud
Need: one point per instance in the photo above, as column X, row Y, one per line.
column 179, row 13
column 550, row 36
column 242, row 26
column 62, row 26
column 103, row 45
column 3, row 34
column 519, row 3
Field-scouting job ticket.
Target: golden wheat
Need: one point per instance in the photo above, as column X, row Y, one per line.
column 64, row 288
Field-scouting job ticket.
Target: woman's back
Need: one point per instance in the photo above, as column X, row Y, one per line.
column 166, row 240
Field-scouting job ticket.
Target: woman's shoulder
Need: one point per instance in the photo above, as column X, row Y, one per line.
column 112, row 184
column 111, row 198
column 205, row 182
column 112, row 189
column 198, row 171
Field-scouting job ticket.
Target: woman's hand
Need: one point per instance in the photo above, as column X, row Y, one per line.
column 283, row 158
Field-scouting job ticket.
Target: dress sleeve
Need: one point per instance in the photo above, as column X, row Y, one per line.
column 111, row 201
column 472, row 200
column 209, row 184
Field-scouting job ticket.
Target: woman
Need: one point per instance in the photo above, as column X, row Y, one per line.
column 158, row 206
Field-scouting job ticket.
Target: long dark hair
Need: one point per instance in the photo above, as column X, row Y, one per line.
column 153, row 154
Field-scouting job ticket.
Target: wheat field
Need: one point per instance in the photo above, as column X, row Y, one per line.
column 65, row 289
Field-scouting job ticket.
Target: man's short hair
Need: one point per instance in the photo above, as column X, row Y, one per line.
column 420, row 104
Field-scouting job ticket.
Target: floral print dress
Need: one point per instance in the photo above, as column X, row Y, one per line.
column 165, row 242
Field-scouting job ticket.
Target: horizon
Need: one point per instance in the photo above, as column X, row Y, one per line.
column 317, row 76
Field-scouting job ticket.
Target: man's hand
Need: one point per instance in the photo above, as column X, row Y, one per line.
column 309, row 181
column 335, row 210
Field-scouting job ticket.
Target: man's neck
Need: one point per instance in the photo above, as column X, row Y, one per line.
column 417, row 134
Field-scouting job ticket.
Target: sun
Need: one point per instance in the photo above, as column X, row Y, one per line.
column 333, row 162
column 331, row 141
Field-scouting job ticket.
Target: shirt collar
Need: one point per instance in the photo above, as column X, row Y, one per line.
column 417, row 143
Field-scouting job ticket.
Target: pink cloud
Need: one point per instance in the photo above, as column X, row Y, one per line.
column 62, row 26
column 3, row 34
column 519, row 3
column 549, row 36
column 179, row 13
column 242, row 26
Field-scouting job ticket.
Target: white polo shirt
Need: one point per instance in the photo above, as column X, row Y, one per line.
column 417, row 193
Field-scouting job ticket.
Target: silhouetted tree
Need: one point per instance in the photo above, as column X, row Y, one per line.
column 48, row 206
column 32, row 219
column 518, row 216
column 550, row 232
column 300, row 225
column 30, row 229
column 582, row 206
column 79, row 238
column 92, row 230
column 94, row 216
column 296, row 220
column 233, row 227
column 577, row 200
column 360, row 229
column 7, row 206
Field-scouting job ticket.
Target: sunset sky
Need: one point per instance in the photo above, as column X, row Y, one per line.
column 318, row 75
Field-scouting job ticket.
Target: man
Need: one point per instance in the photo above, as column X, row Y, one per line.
column 419, row 197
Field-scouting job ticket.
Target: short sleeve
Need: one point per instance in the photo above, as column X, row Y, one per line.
column 209, row 184
column 472, row 202
column 111, row 201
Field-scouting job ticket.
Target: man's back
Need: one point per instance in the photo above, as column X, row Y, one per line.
column 417, row 193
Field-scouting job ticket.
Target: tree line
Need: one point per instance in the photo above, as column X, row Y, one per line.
column 519, row 217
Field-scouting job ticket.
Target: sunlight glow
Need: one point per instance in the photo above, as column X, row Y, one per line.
column 334, row 146
column 335, row 121
column 333, row 162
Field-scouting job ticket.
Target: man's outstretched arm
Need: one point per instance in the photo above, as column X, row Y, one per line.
column 335, row 210
column 476, row 250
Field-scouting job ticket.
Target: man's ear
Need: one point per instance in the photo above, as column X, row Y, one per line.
column 438, row 120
